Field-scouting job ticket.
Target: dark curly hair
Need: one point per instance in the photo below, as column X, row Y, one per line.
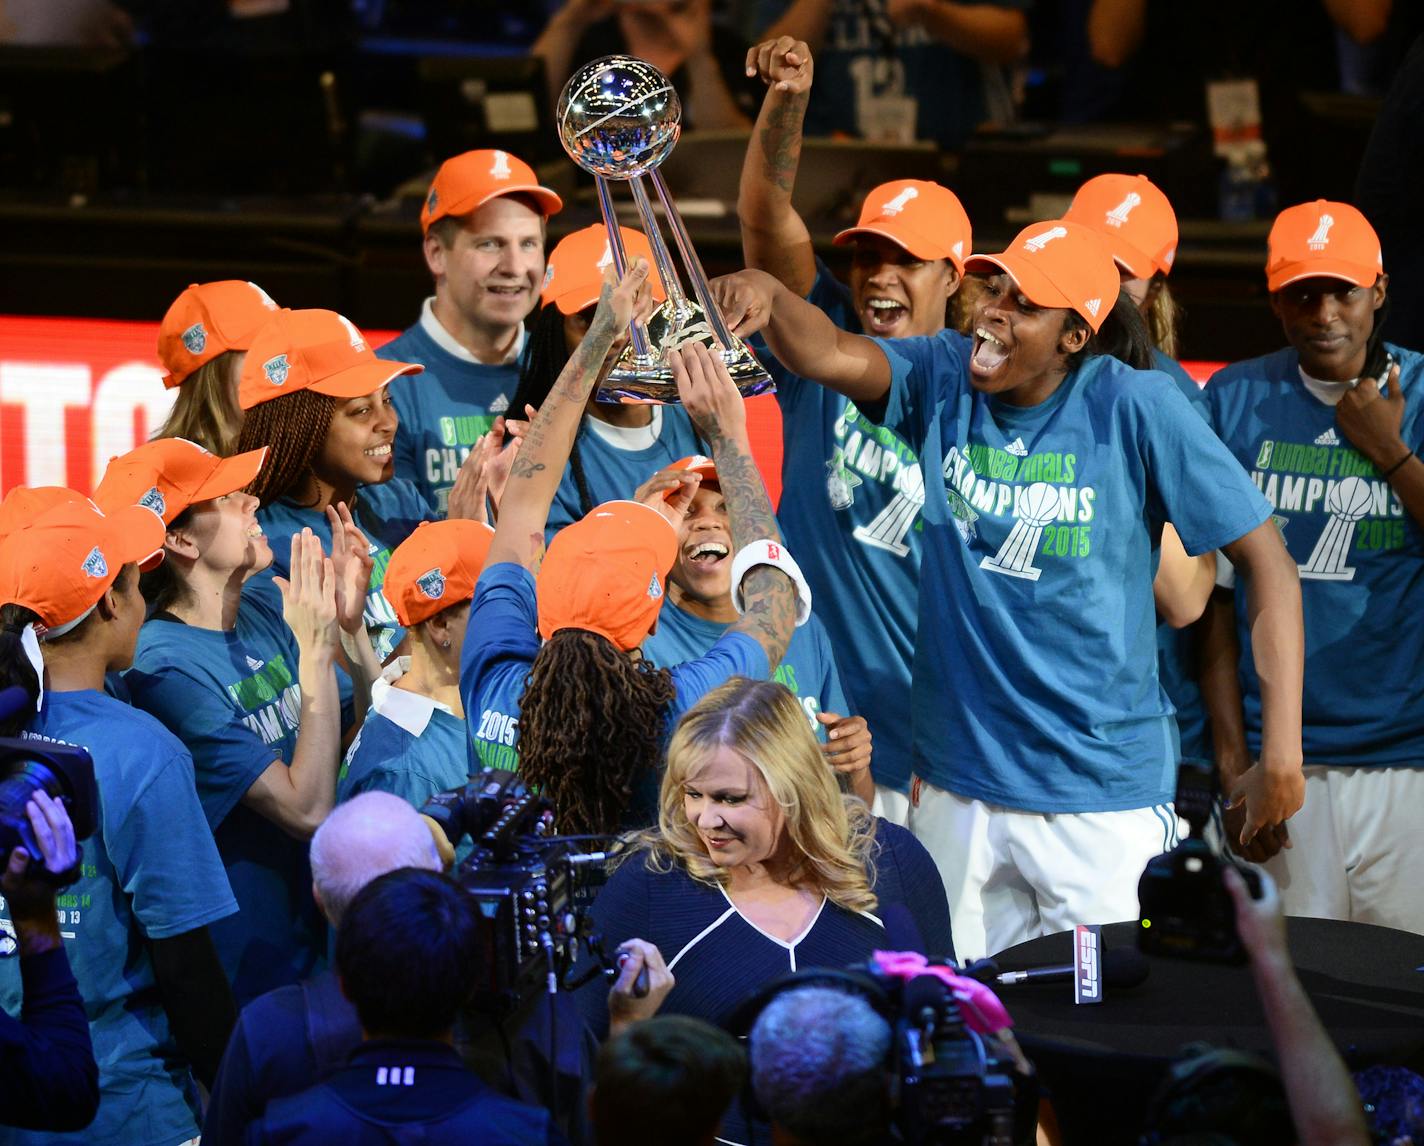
column 591, row 725
column 294, row 426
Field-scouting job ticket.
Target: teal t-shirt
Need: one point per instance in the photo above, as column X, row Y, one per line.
column 1177, row 651
column 443, row 412
column 234, row 701
column 151, row 871
column 387, row 514
column 502, row 640
column 808, row 669
column 611, row 473
column 1036, row 682
column 851, row 497
column 1360, row 556
column 408, row 747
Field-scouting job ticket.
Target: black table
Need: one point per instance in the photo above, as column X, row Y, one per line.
column 1103, row 1062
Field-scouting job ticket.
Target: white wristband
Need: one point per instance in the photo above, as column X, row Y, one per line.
column 775, row 554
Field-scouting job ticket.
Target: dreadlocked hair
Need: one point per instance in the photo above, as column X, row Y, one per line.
column 591, row 726
column 294, row 428
column 546, row 356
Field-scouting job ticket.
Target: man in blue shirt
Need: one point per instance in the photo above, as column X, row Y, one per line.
column 484, row 221
column 1044, row 745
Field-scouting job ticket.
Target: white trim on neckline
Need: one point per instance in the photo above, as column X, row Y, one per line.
column 452, row 346
column 411, row 711
column 791, row 944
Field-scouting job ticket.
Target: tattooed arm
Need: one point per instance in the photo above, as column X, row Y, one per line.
column 774, row 237
column 535, row 474
column 716, row 409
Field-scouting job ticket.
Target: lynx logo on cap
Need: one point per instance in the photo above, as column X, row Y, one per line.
column 548, row 277
column 277, row 369
column 501, row 170
column 430, row 201
column 95, row 565
column 655, row 588
column 1094, row 305
column 1318, row 241
column 1118, row 215
column 154, row 500
column 1041, row 240
column 195, row 338
column 432, row 584
column 897, row 204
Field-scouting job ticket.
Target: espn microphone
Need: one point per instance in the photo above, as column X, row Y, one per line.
column 1123, row 967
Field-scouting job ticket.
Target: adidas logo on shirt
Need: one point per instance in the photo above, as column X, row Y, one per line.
column 499, row 405
column 254, row 664
column 1329, row 438
column 1017, row 448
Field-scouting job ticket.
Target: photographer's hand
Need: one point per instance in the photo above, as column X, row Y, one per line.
column 30, row 886
column 626, row 1008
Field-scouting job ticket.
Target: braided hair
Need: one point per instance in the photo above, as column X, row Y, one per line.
column 591, row 726
column 546, row 356
column 294, row 428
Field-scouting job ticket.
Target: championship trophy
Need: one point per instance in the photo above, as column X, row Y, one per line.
column 619, row 118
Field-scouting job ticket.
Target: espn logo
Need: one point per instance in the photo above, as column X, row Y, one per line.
column 1087, row 964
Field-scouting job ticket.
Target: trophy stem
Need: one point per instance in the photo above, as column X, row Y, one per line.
column 637, row 329
column 661, row 255
column 695, row 273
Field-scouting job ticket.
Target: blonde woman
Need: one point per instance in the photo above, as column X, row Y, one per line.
column 759, row 866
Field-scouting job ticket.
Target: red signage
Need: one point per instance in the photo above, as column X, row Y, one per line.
column 74, row 392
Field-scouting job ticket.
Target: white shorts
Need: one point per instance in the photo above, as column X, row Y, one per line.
column 1357, row 848
column 890, row 804
column 1013, row 876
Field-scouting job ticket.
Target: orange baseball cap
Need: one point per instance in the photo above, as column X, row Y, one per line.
column 926, row 219
column 25, row 503
column 573, row 277
column 607, row 573
column 209, row 319
column 1059, row 264
column 1322, row 240
column 313, row 350
column 436, row 567
column 170, row 474
column 698, row 464
column 468, row 181
column 1132, row 216
column 65, row 560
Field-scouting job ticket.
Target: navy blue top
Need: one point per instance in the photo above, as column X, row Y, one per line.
column 720, row 959
column 50, row 1080
column 431, row 1094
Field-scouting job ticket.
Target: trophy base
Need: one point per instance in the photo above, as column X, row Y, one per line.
column 648, row 378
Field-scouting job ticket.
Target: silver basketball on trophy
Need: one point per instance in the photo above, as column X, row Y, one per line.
column 619, row 117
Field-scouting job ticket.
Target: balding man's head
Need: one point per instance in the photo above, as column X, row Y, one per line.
column 367, row 836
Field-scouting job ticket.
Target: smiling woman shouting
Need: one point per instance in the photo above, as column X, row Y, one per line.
column 1044, row 747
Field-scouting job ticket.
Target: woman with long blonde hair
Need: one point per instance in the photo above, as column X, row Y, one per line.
column 760, row 866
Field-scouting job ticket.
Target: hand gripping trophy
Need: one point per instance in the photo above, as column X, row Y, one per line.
column 619, row 118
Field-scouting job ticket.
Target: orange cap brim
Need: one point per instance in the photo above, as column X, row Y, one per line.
column 547, row 199
column 916, row 244
column 232, row 474
column 364, row 378
column 1354, row 273
column 1032, row 281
